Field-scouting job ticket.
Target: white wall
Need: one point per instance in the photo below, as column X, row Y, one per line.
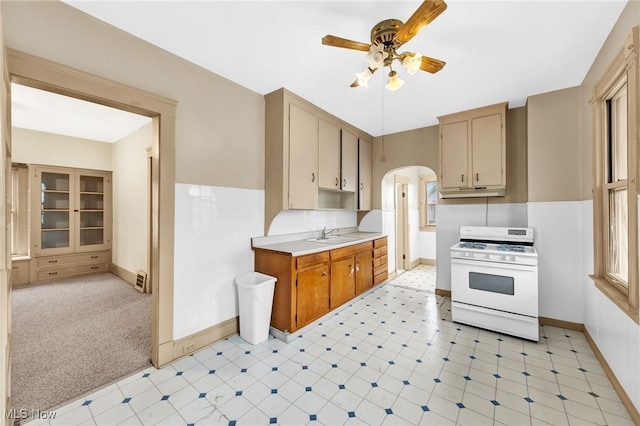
column 30, row 146
column 559, row 241
column 616, row 335
column 129, row 248
column 214, row 227
column 294, row 221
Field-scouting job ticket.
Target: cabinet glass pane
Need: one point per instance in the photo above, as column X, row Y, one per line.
column 91, row 201
column 90, row 219
column 55, row 238
column 91, row 184
column 55, row 181
column 54, row 220
column 91, row 236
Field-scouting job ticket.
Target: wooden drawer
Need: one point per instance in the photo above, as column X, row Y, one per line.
column 309, row 260
column 341, row 252
column 380, row 269
column 379, row 252
column 382, row 242
column 76, row 259
column 382, row 260
column 377, row 279
column 47, row 274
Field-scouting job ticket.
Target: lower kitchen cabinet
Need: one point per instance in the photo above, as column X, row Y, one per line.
column 312, row 294
column 312, row 285
column 380, row 268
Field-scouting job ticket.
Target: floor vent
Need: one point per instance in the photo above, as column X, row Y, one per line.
column 141, row 281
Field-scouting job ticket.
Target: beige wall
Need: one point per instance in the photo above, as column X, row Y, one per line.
column 129, row 248
column 30, row 146
column 417, row 147
column 554, row 146
column 420, row 147
column 219, row 124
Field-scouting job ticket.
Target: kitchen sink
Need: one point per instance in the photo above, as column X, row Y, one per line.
column 333, row 239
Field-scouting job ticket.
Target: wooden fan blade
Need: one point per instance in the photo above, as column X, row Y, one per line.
column 334, row 41
column 427, row 12
column 431, row 65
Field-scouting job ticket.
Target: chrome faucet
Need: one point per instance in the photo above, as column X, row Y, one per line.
column 326, row 232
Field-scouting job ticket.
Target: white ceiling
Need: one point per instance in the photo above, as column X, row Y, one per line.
column 49, row 112
column 495, row 51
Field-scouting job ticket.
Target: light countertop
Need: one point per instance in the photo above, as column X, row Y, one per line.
column 301, row 247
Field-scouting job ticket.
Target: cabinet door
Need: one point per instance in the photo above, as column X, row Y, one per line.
column 328, row 155
column 312, row 299
column 303, row 159
column 349, row 162
column 486, row 139
column 52, row 220
column 365, row 165
column 364, row 271
column 453, row 154
column 92, row 211
column 343, row 286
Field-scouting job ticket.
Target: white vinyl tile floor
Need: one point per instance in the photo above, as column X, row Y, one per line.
column 390, row 357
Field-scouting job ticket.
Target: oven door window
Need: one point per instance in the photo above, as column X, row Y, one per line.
column 489, row 282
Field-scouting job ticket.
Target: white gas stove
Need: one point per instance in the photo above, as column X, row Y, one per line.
column 494, row 280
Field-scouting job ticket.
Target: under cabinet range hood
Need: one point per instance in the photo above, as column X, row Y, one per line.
column 472, row 192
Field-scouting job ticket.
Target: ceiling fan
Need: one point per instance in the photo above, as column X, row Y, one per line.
column 386, row 37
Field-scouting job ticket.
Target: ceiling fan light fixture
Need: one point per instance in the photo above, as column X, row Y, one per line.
column 363, row 77
column 412, row 63
column 395, row 82
column 376, row 56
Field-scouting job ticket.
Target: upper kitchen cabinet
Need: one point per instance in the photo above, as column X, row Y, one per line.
column 303, row 155
column 329, row 155
column 311, row 157
column 348, row 161
column 365, row 166
column 473, row 152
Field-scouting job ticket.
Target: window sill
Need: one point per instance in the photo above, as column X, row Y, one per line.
column 616, row 297
column 428, row 229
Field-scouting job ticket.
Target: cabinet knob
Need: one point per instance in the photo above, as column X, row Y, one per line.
column 324, row 273
column 462, row 178
column 337, row 181
column 313, row 177
column 361, row 185
column 344, row 183
column 477, row 177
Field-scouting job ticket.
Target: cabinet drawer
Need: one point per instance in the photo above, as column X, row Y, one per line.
column 377, row 279
column 382, row 260
column 303, row 262
column 341, row 252
column 382, row 242
column 79, row 259
column 380, row 269
column 379, row 252
column 69, row 271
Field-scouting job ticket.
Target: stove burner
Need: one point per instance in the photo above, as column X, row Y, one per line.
column 511, row 248
column 471, row 245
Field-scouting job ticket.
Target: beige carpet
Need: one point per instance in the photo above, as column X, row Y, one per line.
column 74, row 335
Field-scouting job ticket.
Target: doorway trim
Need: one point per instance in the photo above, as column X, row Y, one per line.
column 42, row 74
column 401, row 193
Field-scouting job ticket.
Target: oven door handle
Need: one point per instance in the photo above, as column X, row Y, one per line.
column 494, row 264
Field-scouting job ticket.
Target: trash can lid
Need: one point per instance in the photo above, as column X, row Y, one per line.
column 254, row 278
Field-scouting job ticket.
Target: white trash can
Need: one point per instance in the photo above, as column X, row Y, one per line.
column 255, row 298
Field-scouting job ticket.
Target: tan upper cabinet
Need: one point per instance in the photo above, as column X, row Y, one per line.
column 473, row 152
column 349, row 161
column 328, row 155
column 303, row 159
column 311, row 157
column 365, row 166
